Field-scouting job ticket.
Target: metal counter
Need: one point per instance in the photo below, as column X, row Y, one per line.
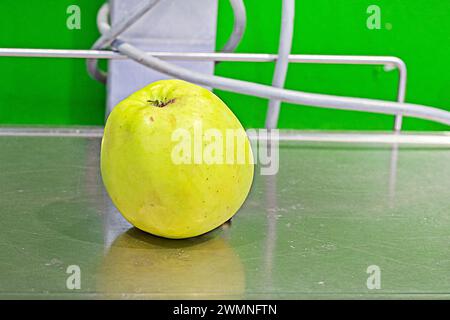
column 312, row 231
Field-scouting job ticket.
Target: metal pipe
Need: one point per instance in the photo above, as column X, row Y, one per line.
column 103, row 26
column 401, row 94
column 216, row 56
column 206, row 56
column 102, row 18
column 318, row 100
column 429, row 139
column 111, row 34
column 121, row 26
column 240, row 22
column 281, row 66
column 256, row 89
column 297, row 97
column 434, row 139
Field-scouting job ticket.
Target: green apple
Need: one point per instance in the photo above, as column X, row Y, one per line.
column 165, row 162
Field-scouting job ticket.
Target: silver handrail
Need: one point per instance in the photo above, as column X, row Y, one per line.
column 327, row 101
column 217, row 56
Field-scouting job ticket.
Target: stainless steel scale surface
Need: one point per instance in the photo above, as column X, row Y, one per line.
column 333, row 210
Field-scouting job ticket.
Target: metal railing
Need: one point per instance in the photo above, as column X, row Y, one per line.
column 160, row 62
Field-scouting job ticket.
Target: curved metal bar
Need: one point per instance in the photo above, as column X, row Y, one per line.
column 240, row 23
column 318, row 100
column 216, row 56
column 296, row 97
column 112, row 33
column 281, row 66
column 240, row 20
column 103, row 26
column 273, row 112
column 141, row 9
column 102, row 19
column 401, row 66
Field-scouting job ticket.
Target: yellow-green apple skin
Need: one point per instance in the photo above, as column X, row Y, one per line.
column 151, row 190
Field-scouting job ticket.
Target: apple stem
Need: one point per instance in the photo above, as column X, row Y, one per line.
column 160, row 103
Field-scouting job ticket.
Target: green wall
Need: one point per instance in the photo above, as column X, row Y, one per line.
column 59, row 91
